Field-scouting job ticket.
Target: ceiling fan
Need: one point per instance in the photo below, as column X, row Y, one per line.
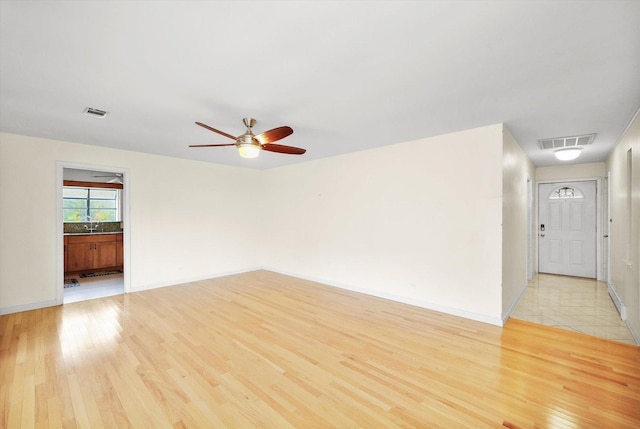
column 249, row 145
column 115, row 178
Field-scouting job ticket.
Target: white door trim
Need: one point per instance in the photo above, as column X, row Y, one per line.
column 599, row 237
column 60, row 166
column 606, row 226
column 530, row 230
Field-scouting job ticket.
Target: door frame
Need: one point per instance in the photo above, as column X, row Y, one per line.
column 599, row 237
column 531, row 263
column 60, row 166
column 606, row 228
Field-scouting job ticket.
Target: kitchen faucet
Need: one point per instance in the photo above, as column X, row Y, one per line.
column 91, row 227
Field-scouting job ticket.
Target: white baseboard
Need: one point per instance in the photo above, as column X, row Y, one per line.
column 514, row 305
column 28, row 307
column 193, row 279
column 622, row 310
column 397, row 298
column 617, row 301
column 52, row 303
column 634, row 334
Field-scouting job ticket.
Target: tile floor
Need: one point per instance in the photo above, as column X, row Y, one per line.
column 94, row 287
column 572, row 303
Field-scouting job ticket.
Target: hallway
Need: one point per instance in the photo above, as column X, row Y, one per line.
column 572, row 303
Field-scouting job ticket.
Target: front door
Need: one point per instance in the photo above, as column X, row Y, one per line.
column 567, row 228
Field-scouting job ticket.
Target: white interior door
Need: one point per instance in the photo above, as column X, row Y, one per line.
column 567, row 228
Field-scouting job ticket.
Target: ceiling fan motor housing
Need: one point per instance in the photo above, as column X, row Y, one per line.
column 248, row 146
column 247, row 138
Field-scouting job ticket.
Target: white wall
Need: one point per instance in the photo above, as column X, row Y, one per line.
column 195, row 222
column 571, row 172
column 625, row 226
column 517, row 168
column 419, row 222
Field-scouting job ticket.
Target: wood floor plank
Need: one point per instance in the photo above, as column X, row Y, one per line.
column 262, row 349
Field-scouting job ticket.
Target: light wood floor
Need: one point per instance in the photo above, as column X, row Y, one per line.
column 265, row 350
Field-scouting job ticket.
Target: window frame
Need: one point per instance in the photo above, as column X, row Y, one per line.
column 89, row 186
column 562, row 193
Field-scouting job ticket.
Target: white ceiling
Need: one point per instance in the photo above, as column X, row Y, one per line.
column 345, row 75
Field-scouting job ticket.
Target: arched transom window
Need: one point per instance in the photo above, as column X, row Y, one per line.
column 565, row 192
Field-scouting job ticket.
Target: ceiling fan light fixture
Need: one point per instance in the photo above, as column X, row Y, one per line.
column 248, row 150
column 568, row 154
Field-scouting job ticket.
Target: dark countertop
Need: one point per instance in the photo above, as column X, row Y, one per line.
column 92, row 233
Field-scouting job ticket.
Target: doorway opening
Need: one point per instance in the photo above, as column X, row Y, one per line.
column 92, row 207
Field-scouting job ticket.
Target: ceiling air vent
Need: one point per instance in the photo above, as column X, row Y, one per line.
column 95, row 113
column 564, row 142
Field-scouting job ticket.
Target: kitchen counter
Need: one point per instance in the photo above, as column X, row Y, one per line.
column 93, row 233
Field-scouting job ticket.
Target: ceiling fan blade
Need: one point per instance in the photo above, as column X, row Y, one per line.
column 283, row 149
column 211, row 145
column 274, row 135
column 222, row 133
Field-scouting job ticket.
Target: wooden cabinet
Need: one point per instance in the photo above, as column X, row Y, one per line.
column 119, row 250
column 91, row 252
column 66, row 242
column 104, row 254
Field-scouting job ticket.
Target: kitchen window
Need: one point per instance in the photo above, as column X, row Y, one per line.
column 82, row 204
